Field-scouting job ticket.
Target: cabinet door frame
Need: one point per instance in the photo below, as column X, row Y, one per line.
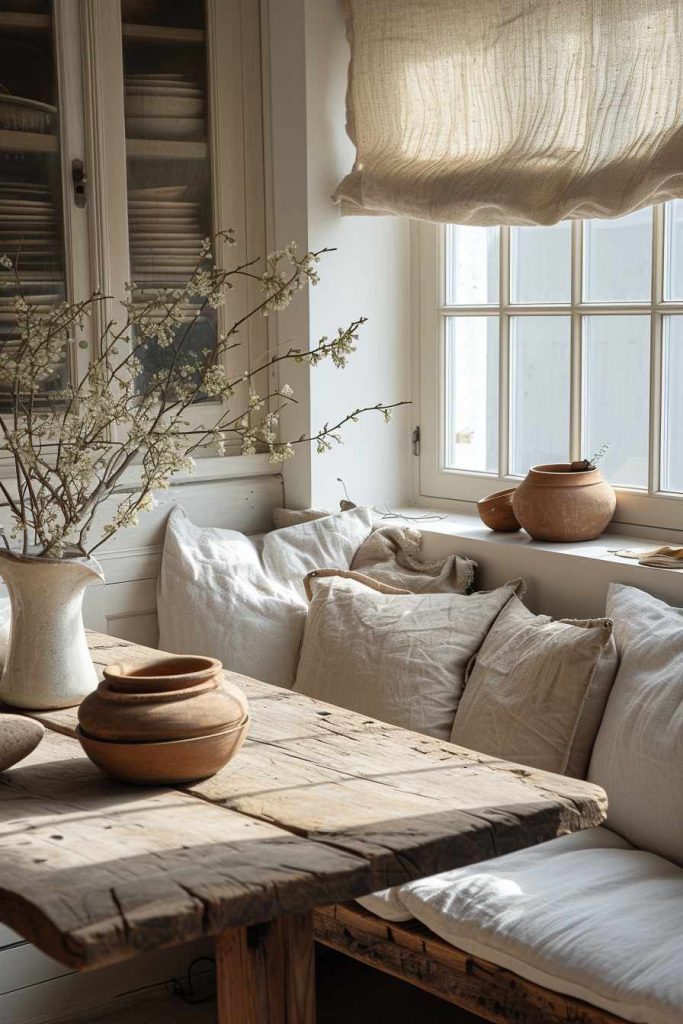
column 77, row 263
column 67, row 51
column 235, row 137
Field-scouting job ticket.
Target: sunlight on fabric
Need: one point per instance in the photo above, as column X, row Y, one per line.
column 513, row 112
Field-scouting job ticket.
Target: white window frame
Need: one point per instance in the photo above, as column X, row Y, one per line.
column 652, row 507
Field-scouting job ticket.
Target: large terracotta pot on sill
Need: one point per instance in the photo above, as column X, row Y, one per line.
column 556, row 503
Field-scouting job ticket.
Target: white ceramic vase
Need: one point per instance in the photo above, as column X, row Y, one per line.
column 48, row 663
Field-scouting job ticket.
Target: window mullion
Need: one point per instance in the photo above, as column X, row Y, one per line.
column 504, row 356
column 656, row 346
column 576, row 346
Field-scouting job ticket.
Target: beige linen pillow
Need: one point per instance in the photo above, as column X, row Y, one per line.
column 537, row 690
column 397, row 657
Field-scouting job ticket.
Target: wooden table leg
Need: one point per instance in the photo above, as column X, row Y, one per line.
column 266, row 973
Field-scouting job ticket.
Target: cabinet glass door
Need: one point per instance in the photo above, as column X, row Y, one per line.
column 31, row 215
column 168, row 160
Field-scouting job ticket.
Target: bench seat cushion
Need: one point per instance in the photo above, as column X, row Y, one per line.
column 587, row 915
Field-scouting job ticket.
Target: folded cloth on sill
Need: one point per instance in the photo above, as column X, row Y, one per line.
column 393, row 555
column 662, row 558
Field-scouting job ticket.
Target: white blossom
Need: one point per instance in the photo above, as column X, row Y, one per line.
column 126, row 416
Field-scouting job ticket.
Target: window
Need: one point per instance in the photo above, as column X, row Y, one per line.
column 542, row 344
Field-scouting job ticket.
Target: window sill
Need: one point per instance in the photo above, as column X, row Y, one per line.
column 563, row 579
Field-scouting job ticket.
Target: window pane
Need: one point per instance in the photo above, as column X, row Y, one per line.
column 471, row 366
column 616, row 362
column 31, row 216
column 540, row 263
column 618, row 258
column 168, row 164
column 672, row 412
column 539, row 391
column 471, row 265
column 673, row 271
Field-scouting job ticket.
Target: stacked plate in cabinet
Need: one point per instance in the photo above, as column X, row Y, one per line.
column 166, row 230
column 163, row 105
column 21, row 114
column 30, row 234
column 30, row 230
column 166, row 233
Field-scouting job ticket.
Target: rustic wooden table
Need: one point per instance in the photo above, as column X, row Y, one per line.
column 321, row 805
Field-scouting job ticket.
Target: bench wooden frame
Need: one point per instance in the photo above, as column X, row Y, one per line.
column 411, row 952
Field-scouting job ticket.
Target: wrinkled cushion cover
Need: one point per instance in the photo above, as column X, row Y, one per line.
column 284, row 517
column 399, row 658
column 387, row 904
column 219, row 595
column 537, row 691
column 586, row 914
column 638, row 752
column 393, row 555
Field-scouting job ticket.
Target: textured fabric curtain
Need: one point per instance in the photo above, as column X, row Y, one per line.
column 513, row 111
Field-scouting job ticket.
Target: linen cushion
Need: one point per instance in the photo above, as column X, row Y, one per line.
column 283, row 517
column 387, row 904
column 586, row 914
column 393, row 554
column 223, row 595
column 638, row 753
column 397, row 657
column 538, row 689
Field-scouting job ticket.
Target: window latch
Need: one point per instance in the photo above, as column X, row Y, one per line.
column 416, row 441
column 79, row 182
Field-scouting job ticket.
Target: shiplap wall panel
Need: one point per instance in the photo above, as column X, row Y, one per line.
column 243, row 503
column 52, row 992
column 8, row 937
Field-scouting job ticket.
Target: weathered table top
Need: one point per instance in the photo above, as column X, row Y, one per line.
column 320, row 805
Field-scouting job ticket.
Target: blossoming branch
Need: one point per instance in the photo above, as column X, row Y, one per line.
column 71, row 445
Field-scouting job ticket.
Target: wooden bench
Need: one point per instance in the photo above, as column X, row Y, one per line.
column 411, row 952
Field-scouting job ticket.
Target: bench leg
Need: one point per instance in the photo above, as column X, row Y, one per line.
column 266, row 973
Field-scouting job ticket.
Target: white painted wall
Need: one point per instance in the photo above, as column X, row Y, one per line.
column 369, row 275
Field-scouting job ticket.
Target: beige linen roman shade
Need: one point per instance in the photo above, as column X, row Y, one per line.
column 513, row 111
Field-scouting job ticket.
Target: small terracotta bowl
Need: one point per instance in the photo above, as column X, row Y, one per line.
column 167, row 763
column 495, row 511
column 175, row 672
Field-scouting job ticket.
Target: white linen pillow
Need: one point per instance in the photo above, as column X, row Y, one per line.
column 585, row 914
column 387, row 904
column 638, row 752
column 538, row 689
column 400, row 658
column 219, row 594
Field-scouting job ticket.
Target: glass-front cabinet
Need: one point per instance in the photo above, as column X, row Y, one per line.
column 130, row 131
column 32, row 226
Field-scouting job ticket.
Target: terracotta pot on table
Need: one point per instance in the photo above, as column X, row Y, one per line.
column 172, row 720
column 557, row 503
